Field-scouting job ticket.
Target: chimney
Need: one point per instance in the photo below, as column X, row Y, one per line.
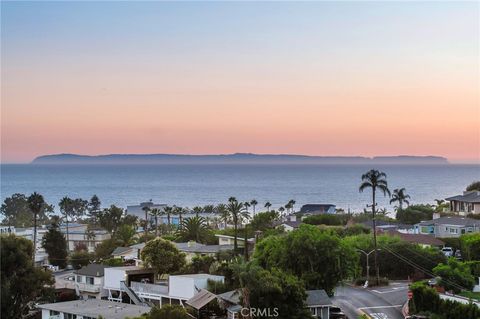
column 436, row 216
column 293, row 218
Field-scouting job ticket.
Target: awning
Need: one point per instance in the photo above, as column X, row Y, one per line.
column 201, row 299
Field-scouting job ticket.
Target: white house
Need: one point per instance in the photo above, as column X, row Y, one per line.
column 444, row 227
column 89, row 281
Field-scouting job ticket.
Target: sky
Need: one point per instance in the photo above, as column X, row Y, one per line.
column 315, row 78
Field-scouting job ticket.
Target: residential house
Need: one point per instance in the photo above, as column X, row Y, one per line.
column 468, row 203
column 137, row 210
column 419, row 239
column 81, row 234
column 229, row 240
column 117, row 281
column 315, row 209
column 89, row 281
column 445, row 227
column 291, row 223
column 390, row 226
column 91, row 309
column 318, row 303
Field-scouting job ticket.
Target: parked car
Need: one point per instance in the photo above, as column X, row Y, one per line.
column 336, row 313
column 458, row 254
column 447, row 251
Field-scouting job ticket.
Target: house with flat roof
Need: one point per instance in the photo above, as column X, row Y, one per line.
column 467, row 203
column 91, row 309
column 314, row 209
column 448, row 226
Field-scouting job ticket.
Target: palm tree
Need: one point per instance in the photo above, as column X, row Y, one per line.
column 35, row 204
column 292, row 204
column 246, row 205
column 267, row 206
column 281, row 210
column 235, row 209
column 168, row 211
column 401, row 197
column 254, row 203
column 156, row 213
column 197, row 210
column 375, row 179
column 179, row 211
column 66, row 206
column 193, row 228
column 288, row 206
column 146, row 209
column 223, row 213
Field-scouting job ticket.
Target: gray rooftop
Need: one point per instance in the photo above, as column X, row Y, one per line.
column 317, row 298
column 447, row 220
column 95, row 308
column 95, row 270
column 467, row 197
column 121, row 250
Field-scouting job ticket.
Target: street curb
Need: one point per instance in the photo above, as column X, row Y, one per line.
column 364, row 313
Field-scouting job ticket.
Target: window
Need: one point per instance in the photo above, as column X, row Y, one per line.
column 69, row 316
column 54, row 313
column 453, row 231
column 79, row 278
column 90, row 280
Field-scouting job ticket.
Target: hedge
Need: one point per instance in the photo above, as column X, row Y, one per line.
column 426, row 299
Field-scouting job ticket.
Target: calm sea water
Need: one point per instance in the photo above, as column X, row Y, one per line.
column 190, row 185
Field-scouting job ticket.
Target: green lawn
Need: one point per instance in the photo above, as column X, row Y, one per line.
column 469, row 294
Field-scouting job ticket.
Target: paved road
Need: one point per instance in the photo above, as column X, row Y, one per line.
column 378, row 303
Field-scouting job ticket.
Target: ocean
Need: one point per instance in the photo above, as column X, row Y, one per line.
column 191, row 185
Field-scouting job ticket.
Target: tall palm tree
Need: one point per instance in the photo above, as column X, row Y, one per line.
column 179, row 211
column 223, row 213
column 282, row 211
column 246, row 205
column 400, row 197
column 155, row 212
column 235, row 209
column 288, row 206
column 375, row 179
column 168, row 211
column 146, row 209
column 197, row 210
column 36, row 204
column 66, row 207
column 254, row 203
column 267, row 206
column 292, row 204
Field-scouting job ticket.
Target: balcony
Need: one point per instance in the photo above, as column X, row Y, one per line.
column 88, row 288
column 149, row 290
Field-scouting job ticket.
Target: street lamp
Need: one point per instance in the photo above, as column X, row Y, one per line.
column 367, row 255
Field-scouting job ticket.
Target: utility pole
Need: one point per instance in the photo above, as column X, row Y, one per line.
column 367, row 255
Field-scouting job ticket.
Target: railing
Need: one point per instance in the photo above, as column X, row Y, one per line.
column 54, row 317
column 88, row 287
column 148, row 289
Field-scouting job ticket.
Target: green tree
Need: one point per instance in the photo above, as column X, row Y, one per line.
column 16, row 213
column 323, row 219
column 156, row 213
column 474, row 186
column 80, row 258
column 254, row 203
column 197, row 210
column 105, row 248
column 21, row 282
column 222, row 211
column 55, row 245
column 291, row 204
column 264, row 221
column 236, row 210
column 111, row 218
column 193, row 228
column 94, row 207
column 399, row 196
column 282, row 294
column 320, row 258
column 168, row 211
column 455, row 275
column 168, row 312
column 470, row 244
column 125, row 235
column 415, row 214
column 35, row 204
column 375, row 180
column 163, row 256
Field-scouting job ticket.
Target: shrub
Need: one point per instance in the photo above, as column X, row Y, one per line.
column 79, row 259
column 323, row 219
column 454, row 275
column 470, row 244
column 475, row 186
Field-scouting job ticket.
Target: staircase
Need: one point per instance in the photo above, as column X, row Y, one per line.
column 133, row 296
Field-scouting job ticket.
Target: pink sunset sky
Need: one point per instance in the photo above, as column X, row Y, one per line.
column 311, row 78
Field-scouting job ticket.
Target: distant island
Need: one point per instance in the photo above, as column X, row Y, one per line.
column 237, row 158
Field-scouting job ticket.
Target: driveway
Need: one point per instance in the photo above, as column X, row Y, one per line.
column 378, row 303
